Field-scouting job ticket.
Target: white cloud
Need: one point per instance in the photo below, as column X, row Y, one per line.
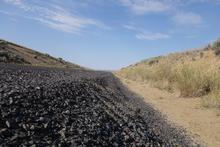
column 19, row 3
column 146, row 35
column 57, row 17
column 187, row 19
column 145, row 6
column 133, row 28
column 171, row 7
column 65, row 21
column 152, row 36
column 14, row 2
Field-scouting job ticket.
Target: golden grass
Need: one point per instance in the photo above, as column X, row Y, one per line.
column 192, row 74
column 193, row 79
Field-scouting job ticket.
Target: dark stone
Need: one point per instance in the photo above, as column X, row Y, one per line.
column 45, row 107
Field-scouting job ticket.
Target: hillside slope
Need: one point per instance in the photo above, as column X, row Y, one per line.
column 192, row 73
column 13, row 53
column 183, row 86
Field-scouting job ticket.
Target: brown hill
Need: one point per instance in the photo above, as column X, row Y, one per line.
column 184, row 86
column 13, row 53
column 193, row 73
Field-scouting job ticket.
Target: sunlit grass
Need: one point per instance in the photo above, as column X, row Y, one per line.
column 192, row 74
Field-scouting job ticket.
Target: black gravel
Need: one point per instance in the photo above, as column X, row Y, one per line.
column 45, row 107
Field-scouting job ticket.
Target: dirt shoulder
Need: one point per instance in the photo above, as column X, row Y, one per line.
column 203, row 123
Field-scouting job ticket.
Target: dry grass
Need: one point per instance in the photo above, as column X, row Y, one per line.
column 193, row 79
column 13, row 53
column 194, row 74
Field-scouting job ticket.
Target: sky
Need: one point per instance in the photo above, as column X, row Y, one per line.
column 110, row 34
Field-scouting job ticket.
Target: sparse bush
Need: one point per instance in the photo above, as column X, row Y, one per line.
column 2, row 42
column 193, row 80
column 4, row 56
column 208, row 47
column 193, row 59
column 47, row 55
column 164, row 71
column 152, row 62
column 137, row 73
column 216, row 44
column 214, row 97
column 8, row 57
column 201, row 54
column 216, row 47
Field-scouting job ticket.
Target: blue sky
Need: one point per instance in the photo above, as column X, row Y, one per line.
column 109, row 34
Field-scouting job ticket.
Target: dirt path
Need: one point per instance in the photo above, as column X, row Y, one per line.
column 187, row 112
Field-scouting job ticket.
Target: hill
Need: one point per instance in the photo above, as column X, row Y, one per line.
column 13, row 53
column 192, row 73
column 183, row 86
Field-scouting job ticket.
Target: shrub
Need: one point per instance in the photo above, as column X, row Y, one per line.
column 201, row 54
column 164, row 71
column 47, row 55
column 216, row 47
column 195, row 79
column 216, row 44
column 138, row 73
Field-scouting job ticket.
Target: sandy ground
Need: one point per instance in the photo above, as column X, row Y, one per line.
column 202, row 123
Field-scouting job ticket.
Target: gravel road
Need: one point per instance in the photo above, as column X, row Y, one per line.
column 66, row 107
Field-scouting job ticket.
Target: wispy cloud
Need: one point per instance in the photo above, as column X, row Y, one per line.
column 18, row 3
column 172, row 9
column 152, row 36
column 57, row 17
column 133, row 28
column 187, row 18
column 145, row 6
column 143, row 34
column 15, row 2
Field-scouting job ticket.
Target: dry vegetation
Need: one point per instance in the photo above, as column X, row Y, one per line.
column 16, row 54
column 193, row 73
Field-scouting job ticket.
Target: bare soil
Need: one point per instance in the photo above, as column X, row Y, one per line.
column 202, row 123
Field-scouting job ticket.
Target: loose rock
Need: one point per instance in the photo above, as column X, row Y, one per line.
column 60, row 107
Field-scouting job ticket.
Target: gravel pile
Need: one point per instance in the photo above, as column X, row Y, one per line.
column 45, row 107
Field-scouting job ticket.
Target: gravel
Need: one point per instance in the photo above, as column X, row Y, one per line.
column 60, row 107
